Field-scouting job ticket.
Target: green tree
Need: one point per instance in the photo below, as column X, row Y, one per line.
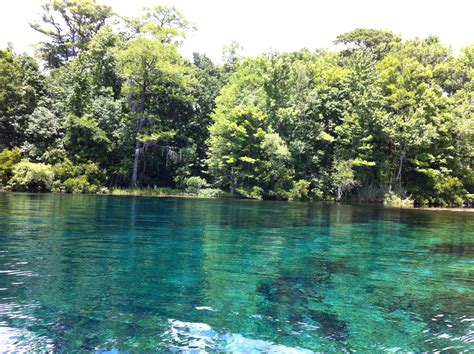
column 21, row 88
column 235, row 144
column 70, row 25
column 166, row 23
column 44, row 130
column 153, row 68
column 247, row 160
column 375, row 42
column 85, row 140
column 343, row 177
column 277, row 174
column 414, row 103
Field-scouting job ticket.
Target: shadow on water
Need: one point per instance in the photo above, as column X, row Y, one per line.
column 298, row 291
column 464, row 249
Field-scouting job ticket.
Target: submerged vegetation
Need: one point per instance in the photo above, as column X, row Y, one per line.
column 113, row 105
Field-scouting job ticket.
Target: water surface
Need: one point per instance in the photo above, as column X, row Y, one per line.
column 96, row 273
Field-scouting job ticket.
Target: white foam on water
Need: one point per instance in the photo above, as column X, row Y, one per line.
column 205, row 308
column 14, row 340
column 195, row 336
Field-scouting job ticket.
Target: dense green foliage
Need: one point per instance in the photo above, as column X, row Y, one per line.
column 383, row 119
column 29, row 176
column 8, row 160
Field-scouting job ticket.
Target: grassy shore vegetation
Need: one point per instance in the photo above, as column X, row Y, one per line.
column 109, row 104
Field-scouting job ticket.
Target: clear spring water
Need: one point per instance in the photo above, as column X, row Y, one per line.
column 96, row 273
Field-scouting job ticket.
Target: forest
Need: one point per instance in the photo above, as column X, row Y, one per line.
column 108, row 104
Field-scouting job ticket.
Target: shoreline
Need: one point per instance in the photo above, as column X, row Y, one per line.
column 161, row 194
column 457, row 209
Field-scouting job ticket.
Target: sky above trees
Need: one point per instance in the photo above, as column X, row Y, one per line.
column 281, row 25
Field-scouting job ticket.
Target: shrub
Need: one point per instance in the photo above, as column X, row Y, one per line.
column 64, row 170
column 441, row 188
column 343, row 178
column 371, row 193
column 449, row 190
column 8, row 159
column 317, row 190
column 79, row 185
column 254, row 193
column 194, row 184
column 57, row 186
column 392, row 199
column 152, row 192
column 469, row 200
column 76, row 178
column 212, row 193
column 300, row 190
column 278, row 194
column 103, row 190
column 32, row 177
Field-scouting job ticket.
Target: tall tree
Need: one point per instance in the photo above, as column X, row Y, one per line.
column 413, row 101
column 166, row 23
column 375, row 42
column 153, row 67
column 70, row 25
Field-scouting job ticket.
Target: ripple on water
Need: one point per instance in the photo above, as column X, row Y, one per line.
column 464, row 249
column 201, row 336
column 21, row 340
column 86, row 273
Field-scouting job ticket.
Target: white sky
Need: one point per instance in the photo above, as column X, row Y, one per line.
column 282, row 25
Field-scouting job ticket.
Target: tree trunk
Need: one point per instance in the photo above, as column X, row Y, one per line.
column 232, row 182
column 338, row 194
column 138, row 143
column 135, row 163
column 399, row 174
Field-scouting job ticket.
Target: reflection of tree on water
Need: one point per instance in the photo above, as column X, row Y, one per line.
column 464, row 249
column 103, row 282
column 297, row 295
column 287, row 298
column 297, row 300
column 319, row 272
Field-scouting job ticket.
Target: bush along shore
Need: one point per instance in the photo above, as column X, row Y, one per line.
column 112, row 106
column 84, row 179
column 64, row 177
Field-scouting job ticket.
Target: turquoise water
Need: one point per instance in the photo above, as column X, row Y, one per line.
column 96, row 273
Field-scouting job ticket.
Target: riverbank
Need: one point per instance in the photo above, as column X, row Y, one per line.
column 218, row 194
column 164, row 192
column 170, row 192
column 466, row 210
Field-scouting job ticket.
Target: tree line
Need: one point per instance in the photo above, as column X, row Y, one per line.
column 109, row 102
